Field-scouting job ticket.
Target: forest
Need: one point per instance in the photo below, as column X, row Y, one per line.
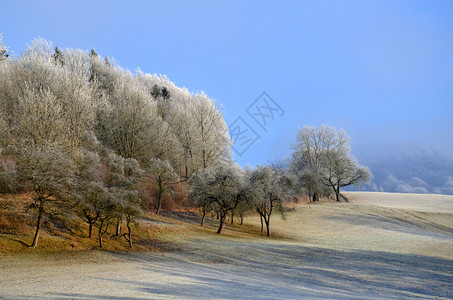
column 91, row 141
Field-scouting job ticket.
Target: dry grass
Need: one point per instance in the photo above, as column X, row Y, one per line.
column 154, row 232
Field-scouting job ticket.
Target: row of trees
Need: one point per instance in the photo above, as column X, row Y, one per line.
column 87, row 137
column 320, row 166
column 228, row 188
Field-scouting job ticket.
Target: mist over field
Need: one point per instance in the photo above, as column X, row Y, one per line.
column 409, row 169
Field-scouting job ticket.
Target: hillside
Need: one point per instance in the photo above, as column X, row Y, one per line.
column 355, row 250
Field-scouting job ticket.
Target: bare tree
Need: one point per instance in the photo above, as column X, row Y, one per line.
column 339, row 169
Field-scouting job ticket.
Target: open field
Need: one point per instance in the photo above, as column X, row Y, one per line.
column 416, row 202
column 377, row 246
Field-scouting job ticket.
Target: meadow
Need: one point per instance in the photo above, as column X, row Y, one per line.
column 379, row 245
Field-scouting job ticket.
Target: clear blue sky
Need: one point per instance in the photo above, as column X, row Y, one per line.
column 382, row 70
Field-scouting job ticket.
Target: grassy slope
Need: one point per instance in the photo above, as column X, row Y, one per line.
column 363, row 226
column 324, row 250
column 407, row 223
column 154, row 232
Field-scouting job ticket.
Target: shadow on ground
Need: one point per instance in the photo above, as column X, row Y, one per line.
column 268, row 271
column 403, row 223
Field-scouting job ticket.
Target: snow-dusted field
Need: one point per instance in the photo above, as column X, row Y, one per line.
column 324, row 251
column 417, row 202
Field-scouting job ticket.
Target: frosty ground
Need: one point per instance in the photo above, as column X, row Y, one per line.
column 377, row 246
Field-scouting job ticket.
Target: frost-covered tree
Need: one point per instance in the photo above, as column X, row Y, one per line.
column 3, row 49
column 211, row 132
column 103, row 74
column 127, row 124
column 89, row 187
column 58, row 57
column 80, row 102
column 248, row 196
column 272, row 187
column 35, row 82
column 76, row 96
column 184, row 127
column 49, row 171
column 36, row 69
column 7, row 175
column 39, row 120
column 321, row 159
column 91, row 206
column 200, row 193
column 106, row 209
column 122, row 184
column 219, row 186
column 107, row 192
column 311, row 144
column 163, row 176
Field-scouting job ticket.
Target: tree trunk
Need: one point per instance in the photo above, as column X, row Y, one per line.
column 222, row 223
column 242, row 219
column 129, row 229
column 262, row 225
column 315, row 197
column 34, row 244
column 204, row 158
column 267, row 226
column 337, row 194
column 203, row 216
column 232, row 216
column 118, row 227
column 100, row 234
column 159, row 199
column 90, row 229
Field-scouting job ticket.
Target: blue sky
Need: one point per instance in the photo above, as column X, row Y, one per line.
column 381, row 70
